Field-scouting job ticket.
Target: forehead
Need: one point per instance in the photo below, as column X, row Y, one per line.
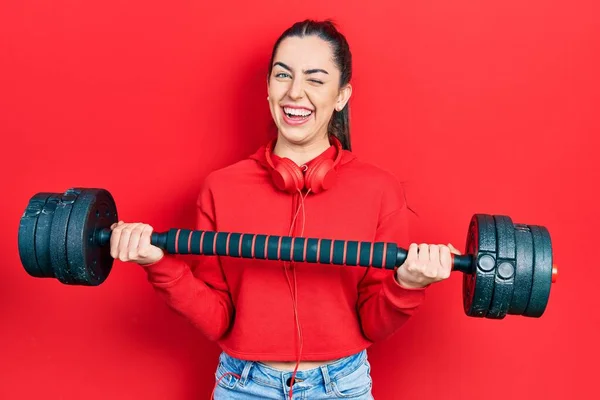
column 305, row 53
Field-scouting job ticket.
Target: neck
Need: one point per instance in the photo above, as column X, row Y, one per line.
column 300, row 153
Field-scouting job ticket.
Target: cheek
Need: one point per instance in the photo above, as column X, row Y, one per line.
column 324, row 103
column 274, row 97
column 325, row 98
column 277, row 90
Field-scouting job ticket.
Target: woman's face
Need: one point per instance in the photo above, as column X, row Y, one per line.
column 304, row 89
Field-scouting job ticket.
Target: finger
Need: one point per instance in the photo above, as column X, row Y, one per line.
column 116, row 225
column 134, row 240
column 423, row 253
column 432, row 266
column 445, row 261
column 411, row 257
column 434, row 253
column 422, row 264
column 413, row 252
column 124, row 242
column 115, row 237
column 145, row 241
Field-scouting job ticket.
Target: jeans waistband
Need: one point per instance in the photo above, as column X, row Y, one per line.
column 270, row 376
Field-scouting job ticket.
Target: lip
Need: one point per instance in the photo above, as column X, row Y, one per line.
column 293, row 122
column 296, row 107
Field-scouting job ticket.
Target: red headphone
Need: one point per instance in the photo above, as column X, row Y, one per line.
column 319, row 176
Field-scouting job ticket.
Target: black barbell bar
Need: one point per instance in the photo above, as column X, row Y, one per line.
column 385, row 255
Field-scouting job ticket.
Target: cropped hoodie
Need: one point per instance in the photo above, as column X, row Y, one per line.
column 246, row 304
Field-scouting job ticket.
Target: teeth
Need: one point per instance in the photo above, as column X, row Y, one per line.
column 297, row 111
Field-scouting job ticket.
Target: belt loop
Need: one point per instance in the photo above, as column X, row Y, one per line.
column 246, row 372
column 326, row 378
column 284, row 385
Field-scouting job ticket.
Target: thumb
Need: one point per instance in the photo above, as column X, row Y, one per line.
column 453, row 250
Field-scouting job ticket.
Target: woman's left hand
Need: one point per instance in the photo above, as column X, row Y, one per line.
column 425, row 264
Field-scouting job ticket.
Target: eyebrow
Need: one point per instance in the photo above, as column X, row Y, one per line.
column 308, row 71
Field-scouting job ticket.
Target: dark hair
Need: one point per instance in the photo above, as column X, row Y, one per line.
column 339, row 125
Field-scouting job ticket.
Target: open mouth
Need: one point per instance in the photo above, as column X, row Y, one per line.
column 297, row 115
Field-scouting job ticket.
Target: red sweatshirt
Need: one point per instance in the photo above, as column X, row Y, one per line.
column 246, row 305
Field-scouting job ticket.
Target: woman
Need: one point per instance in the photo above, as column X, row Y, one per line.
column 299, row 328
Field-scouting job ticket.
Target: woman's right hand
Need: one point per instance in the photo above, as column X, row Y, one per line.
column 131, row 242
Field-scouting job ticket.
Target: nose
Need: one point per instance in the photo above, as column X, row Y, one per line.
column 296, row 90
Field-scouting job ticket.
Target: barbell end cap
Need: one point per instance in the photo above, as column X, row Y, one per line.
column 554, row 273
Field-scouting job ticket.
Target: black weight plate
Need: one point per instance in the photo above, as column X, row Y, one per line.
column 89, row 263
column 42, row 236
column 505, row 231
column 58, row 236
column 524, row 271
column 27, row 230
column 542, row 272
column 505, row 268
column 478, row 287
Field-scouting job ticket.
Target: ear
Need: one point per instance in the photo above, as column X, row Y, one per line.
column 267, row 82
column 343, row 97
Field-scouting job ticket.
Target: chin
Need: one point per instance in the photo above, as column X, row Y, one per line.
column 301, row 134
column 295, row 135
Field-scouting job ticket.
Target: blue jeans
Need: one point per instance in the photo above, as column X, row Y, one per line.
column 346, row 378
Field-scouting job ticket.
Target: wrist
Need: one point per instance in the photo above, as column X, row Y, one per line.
column 408, row 285
column 152, row 261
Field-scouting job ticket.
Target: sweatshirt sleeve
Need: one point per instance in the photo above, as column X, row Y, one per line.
column 383, row 305
column 196, row 287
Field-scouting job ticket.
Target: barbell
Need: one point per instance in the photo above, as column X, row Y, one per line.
column 507, row 266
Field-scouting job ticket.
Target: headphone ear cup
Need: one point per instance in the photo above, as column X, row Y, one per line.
column 320, row 176
column 287, row 176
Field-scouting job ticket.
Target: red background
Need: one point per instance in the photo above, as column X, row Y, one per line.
column 480, row 107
